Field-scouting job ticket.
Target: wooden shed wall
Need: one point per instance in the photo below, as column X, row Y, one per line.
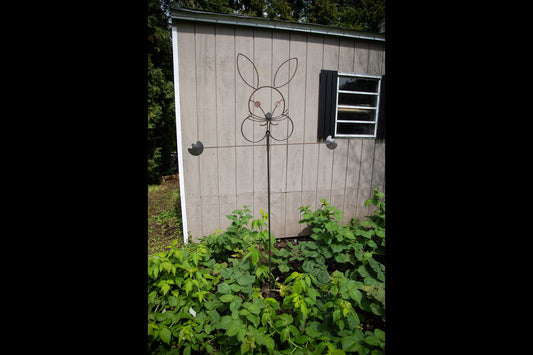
column 231, row 172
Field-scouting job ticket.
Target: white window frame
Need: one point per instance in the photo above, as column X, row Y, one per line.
column 376, row 108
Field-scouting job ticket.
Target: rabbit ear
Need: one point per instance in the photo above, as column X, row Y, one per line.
column 247, row 68
column 285, row 72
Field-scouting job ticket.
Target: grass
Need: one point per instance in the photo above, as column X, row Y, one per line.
column 164, row 216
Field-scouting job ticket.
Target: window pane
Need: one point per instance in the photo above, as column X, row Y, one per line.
column 355, row 128
column 355, row 114
column 357, row 100
column 358, row 84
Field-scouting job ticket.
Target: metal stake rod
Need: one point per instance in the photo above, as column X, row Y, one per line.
column 268, row 187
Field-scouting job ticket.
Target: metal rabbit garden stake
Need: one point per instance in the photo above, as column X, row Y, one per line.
column 267, row 116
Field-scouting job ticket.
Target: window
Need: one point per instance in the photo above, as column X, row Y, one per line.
column 351, row 105
column 357, row 105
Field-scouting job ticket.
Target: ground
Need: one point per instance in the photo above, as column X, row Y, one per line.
column 164, row 216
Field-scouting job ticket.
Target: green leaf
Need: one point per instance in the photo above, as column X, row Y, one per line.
column 188, row 286
column 283, row 268
column 235, row 305
column 259, row 336
column 353, row 319
column 302, row 339
column 336, row 315
column 322, row 276
column 195, row 258
column 372, row 244
column 226, row 273
column 241, row 333
column 303, row 309
column 355, row 295
column 287, row 318
column 340, row 258
column 227, row 298
column 208, row 328
column 172, row 301
column 254, row 319
column 371, row 339
column 244, row 279
column 285, row 334
column 377, row 309
column 348, row 342
column 312, row 330
column 363, row 271
column 337, row 248
column 244, row 312
column 310, row 245
column 164, row 285
column 380, row 334
column 224, row 288
column 225, row 322
column 291, row 277
column 269, row 342
column 320, row 348
column 165, row 334
column 232, row 331
column 235, row 287
column 313, row 293
column 253, row 308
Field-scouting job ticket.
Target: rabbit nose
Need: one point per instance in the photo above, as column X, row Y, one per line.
column 268, row 116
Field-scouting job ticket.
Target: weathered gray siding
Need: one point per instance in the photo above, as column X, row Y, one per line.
column 231, row 171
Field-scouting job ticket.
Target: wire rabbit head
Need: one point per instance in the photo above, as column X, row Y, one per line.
column 266, row 103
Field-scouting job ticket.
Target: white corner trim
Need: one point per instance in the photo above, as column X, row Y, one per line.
column 178, row 131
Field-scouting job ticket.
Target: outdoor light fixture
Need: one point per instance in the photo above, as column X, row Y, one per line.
column 196, row 148
column 267, row 116
column 330, row 143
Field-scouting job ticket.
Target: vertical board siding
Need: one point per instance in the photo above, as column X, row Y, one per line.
column 244, row 173
column 187, row 74
column 231, row 172
column 206, row 107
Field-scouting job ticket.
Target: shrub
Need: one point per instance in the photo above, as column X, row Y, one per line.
column 329, row 295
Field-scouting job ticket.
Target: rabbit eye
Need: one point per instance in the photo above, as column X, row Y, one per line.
column 257, row 104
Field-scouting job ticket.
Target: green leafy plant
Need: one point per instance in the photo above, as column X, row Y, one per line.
column 371, row 233
column 329, row 298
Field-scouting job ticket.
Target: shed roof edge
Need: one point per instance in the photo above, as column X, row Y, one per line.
column 241, row 20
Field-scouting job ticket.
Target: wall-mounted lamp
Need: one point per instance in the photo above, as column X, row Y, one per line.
column 196, row 148
column 330, row 143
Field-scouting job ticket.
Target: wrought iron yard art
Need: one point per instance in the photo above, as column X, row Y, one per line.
column 264, row 95
column 268, row 107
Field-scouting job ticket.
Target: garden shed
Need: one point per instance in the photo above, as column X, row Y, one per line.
column 337, row 89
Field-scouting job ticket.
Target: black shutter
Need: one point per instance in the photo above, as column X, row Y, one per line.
column 327, row 103
column 381, row 119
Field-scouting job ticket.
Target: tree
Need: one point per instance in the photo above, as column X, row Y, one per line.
column 323, row 12
column 362, row 15
column 161, row 128
column 280, row 10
